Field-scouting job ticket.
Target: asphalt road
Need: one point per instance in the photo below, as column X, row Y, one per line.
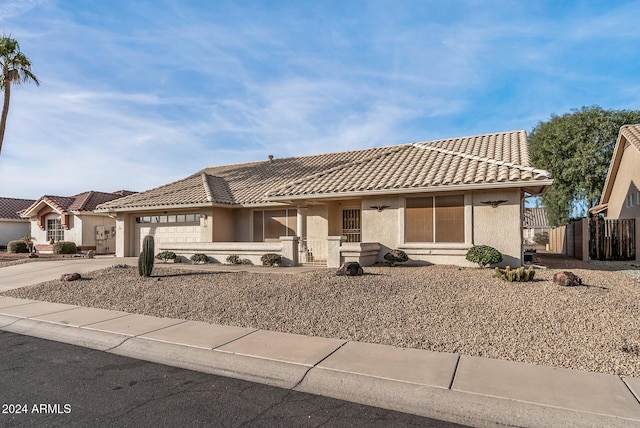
column 51, row 384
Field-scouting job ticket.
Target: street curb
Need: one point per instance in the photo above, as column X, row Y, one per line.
column 423, row 399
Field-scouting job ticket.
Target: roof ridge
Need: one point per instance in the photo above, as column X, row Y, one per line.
column 205, row 184
column 477, row 158
column 392, row 149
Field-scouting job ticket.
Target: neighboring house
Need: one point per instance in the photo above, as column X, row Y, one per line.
column 72, row 218
column 535, row 222
column 434, row 200
column 621, row 195
column 12, row 226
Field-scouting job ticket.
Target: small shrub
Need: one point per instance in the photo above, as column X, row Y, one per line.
column 200, row 258
column 396, row 256
column 541, row 238
column 17, row 247
column 166, row 256
column 234, row 259
column 65, row 247
column 484, row 255
column 516, row 275
column 271, row 259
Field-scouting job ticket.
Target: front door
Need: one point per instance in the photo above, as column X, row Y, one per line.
column 351, row 225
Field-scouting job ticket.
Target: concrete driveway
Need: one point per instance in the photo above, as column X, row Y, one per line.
column 24, row 274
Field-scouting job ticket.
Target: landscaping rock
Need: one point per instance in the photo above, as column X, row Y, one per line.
column 350, row 269
column 70, row 277
column 120, row 266
column 567, row 279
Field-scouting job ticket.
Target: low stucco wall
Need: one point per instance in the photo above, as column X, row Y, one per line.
column 250, row 252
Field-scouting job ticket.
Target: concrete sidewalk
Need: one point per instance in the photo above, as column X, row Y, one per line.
column 458, row 388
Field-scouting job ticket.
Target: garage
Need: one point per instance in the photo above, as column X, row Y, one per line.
column 167, row 229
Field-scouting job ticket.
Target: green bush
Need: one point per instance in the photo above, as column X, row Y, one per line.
column 484, row 255
column 396, row 256
column 200, row 258
column 234, row 259
column 271, row 259
column 17, row 247
column 166, row 256
column 516, row 275
column 541, row 238
column 65, row 247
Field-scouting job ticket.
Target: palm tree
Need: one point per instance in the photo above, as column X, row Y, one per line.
column 16, row 68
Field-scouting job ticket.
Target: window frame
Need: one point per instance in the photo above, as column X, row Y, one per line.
column 57, row 232
column 435, row 213
column 262, row 223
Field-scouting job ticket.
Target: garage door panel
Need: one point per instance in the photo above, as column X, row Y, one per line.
column 166, row 234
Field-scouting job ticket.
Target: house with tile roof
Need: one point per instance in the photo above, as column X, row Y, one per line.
column 535, row 222
column 620, row 197
column 434, row 200
column 72, row 218
column 12, row 226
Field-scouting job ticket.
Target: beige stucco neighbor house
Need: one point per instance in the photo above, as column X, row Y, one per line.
column 535, row 222
column 72, row 218
column 12, row 226
column 434, row 200
column 621, row 195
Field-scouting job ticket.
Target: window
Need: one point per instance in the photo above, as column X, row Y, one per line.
column 55, row 230
column 629, row 201
column 273, row 224
column 183, row 218
column 435, row 219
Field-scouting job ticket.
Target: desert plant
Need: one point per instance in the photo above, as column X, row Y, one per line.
column 271, row 259
column 65, row 247
column 484, row 255
column 166, row 256
column 541, row 238
column 17, row 247
column 516, row 275
column 396, row 256
column 234, row 259
column 145, row 259
column 29, row 241
column 200, row 258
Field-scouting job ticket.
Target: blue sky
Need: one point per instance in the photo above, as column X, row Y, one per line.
column 135, row 94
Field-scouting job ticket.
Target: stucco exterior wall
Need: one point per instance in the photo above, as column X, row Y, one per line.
column 627, row 182
column 11, row 230
column 89, row 223
column 382, row 226
column 39, row 236
column 318, row 230
column 499, row 227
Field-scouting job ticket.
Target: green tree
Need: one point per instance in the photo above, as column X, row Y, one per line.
column 576, row 148
column 16, row 68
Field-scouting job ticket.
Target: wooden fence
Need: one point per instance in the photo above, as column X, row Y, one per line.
column 570, row 240
column 597, row 239
column 612, row 239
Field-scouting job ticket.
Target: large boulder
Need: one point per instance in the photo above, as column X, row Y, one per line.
column 567, row 279
column 350, row 269
column 70, row 277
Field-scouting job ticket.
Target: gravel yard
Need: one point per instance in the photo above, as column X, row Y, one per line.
column 441, row 308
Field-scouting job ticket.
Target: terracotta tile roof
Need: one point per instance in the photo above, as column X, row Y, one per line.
column 493, row 158
column 535, row 217
column 86, row 201
column 9, row 207
column 632, row 134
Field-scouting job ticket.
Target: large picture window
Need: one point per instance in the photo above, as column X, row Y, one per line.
column 55, row 230
column 435, row 219
column 273, row 224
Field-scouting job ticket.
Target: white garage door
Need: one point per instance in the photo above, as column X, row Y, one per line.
column 166, row 234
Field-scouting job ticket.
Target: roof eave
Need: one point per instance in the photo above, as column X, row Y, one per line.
column 541, row 185
column 165, row 207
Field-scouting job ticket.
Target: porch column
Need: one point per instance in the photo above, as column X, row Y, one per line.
column 121, row 236
column 301, row 228
column 638, row 239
